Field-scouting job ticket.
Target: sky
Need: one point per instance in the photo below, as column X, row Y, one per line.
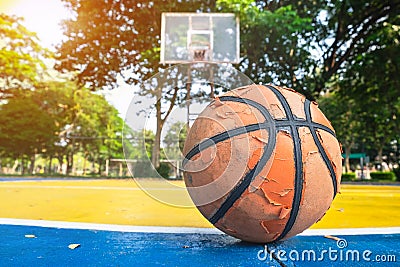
column 44, row 18
column 40, row 16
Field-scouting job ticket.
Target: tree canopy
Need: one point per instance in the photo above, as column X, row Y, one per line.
column 301, row 45
column 58, row 119
column 21, row 56
column 107, row 39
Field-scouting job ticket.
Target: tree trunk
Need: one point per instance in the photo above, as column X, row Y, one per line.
column 93, row 167
column 32, row 166
column 60, row 163
column 70, row 162
column 347, row 158
column 84, row 163
column 100, row 166
column 120, row 174
column 380, row 155
column 49, row 171
column 155, row 155
column 22, row 165
column 14, row 167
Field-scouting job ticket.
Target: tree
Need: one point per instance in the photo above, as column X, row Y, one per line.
column 368, row 95
column 304, row 45
column 94, row 128
column 109, row 39
column 59, row 119
column 351, row 28
column 275, row 40
column 174, row 140
column 372, row 80
column 25, row 127
column 21, row 56
column 119, row 39
column 139, row 144
column 345, row 115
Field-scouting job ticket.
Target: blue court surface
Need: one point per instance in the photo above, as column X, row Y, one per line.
column 46, row 243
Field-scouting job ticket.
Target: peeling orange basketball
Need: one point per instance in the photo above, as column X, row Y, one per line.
column 262, row 163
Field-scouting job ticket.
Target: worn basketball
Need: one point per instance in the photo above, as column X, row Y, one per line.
column 262, row 163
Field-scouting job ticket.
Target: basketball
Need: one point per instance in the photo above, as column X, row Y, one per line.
column 262, row 163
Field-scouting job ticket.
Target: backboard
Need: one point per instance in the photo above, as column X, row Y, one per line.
column 190, row 37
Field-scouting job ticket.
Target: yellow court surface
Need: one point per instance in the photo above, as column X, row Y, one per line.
column 123, row 202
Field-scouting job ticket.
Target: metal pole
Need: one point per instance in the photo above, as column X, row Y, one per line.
column 362, row 168
column 188, row 88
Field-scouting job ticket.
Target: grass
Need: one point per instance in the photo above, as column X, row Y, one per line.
column 123, row 202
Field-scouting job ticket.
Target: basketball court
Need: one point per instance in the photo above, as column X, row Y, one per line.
column 115, row 223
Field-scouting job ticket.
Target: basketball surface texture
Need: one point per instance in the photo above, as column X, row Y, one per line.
column 262, row 163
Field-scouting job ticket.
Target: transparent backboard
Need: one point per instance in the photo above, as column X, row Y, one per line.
column 190, row 37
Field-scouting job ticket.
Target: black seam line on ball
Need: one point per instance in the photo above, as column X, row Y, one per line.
column 286, row 123
column 267, row 125
column 321, row 149
column 237, row 192
column 298, row 183
column 219, row 138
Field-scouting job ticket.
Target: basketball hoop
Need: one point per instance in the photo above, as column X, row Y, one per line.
column 190, row 37
column 199, row 45
column 199, row 39
column 199, row 55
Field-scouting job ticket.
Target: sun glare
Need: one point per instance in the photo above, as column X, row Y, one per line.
column 44, row 18
column 40, row 16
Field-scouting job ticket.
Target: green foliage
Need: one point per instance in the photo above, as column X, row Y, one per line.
column 138, row 144
column 272, row 42
column 109, row 37
column 25, row 126
column 344, row 114
column 371, row 82
column 21, row 56
column 386, row 176
column 397, row 173
column 164, row 170
column 59, row 119
column 349, row 176
column 175, row 140
column 349, row 47
column 353, row 28
column 144, row 169
column 365, row 107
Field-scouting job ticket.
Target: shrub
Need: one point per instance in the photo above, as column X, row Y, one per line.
column 397, row 173
column 387, row 176
column 143, row 169
column 350, row 176
column 164, row 169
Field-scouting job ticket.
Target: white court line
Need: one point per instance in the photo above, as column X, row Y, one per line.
column 109, row 227
column 90, row 187
column 353, row 231
column 380, row 190
column 184, row 230
column 383, row 191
